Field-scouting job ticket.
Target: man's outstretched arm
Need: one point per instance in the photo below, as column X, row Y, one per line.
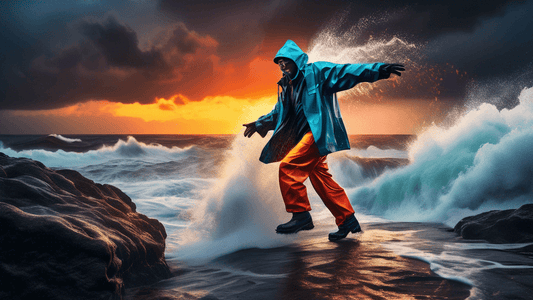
column 342, row 77
column 263, row 124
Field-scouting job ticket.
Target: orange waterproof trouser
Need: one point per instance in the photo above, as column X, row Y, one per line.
column 302, row 162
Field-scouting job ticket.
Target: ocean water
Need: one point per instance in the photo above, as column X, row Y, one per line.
column 215, row 198
column 200, row 185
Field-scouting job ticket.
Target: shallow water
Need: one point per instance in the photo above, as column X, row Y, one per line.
column 388, row 260
column 311, row 267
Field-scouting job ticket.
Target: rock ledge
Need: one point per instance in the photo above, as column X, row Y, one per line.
column 65, row 237
column 499, row 226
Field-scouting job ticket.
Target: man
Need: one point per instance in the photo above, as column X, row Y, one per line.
column 307, row 127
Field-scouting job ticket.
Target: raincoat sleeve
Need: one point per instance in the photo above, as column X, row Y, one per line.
column 342, row 77
column 268, row 121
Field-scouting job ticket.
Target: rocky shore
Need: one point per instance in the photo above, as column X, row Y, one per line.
column 63, row 236
column 499, row 226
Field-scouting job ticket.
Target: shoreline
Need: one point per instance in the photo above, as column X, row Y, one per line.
column 359, row 267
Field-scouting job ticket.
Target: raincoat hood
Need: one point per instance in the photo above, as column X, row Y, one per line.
column 291, row 51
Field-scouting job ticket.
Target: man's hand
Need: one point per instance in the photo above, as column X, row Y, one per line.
column 250, row 129
column 387, row 69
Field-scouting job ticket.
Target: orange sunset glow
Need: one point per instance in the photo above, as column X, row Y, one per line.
column 237, row 93
column 176, row 76
column 223, row 115
column 367, row 109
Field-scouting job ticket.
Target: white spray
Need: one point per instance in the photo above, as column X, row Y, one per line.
column 244, row 207
column 482, row 162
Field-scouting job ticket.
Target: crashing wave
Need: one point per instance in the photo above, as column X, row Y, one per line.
column 481, row 163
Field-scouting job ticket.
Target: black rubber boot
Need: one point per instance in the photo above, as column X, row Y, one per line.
column 299, row 221
column 350, row 224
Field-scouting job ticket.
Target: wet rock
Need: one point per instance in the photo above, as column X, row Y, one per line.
column 62, row 236
column 499, row 226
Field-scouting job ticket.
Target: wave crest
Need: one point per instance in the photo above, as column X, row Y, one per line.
column 121, row 150
column 483, row 162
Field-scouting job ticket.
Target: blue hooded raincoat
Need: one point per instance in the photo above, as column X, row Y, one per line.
column 322, row 81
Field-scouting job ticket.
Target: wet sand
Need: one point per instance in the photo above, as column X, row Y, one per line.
column 359, row 267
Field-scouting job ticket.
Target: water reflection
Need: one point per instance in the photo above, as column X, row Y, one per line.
column 312, row 268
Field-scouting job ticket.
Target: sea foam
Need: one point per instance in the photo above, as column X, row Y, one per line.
column 240, row 210
column 482, row 162
column 131, row 148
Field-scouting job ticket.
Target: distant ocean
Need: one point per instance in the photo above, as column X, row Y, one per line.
column 220, row 205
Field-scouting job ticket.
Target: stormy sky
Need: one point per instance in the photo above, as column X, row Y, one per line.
column 56, row 54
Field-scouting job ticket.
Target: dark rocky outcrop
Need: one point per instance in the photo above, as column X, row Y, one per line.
column 499, row 226
column 62, row 236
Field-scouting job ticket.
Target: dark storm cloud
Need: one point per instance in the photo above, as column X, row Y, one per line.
column 495, row 47
column 428, row 19
column 482, row 38
column 120, row 46
column 63, row 58
column 107, row 63
column 496, row 54
column 183, row 40
column 301, row 18
column 241, row 26
column 237, row 25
